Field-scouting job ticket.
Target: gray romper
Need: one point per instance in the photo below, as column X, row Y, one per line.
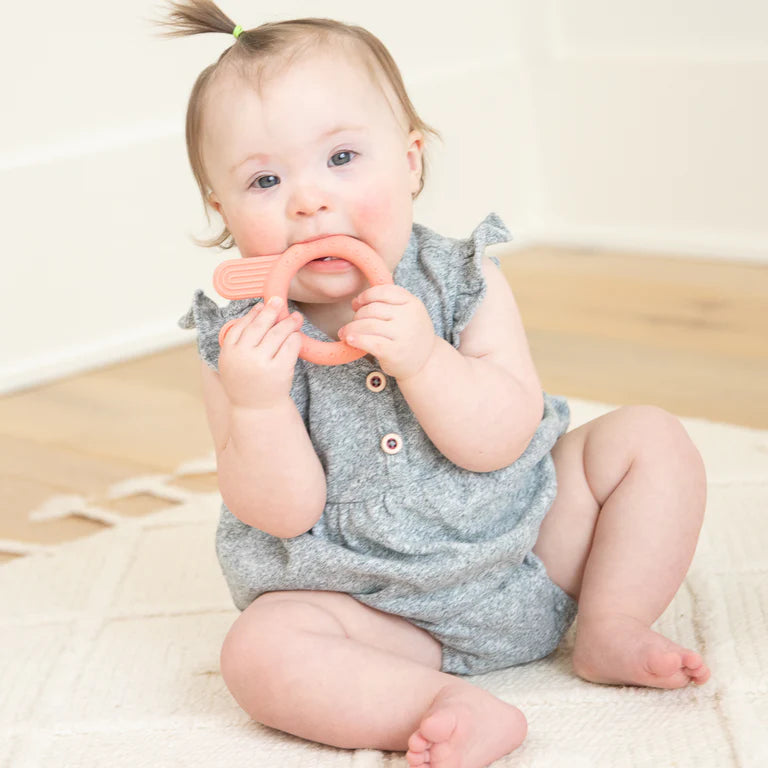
column 404, row 529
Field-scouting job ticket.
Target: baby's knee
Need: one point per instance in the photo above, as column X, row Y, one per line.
column 264, row 637
column 253, row 652
column 664, row 439
column 662, row 433
column 243, row 652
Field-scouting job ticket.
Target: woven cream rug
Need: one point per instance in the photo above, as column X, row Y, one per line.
column 109, row 646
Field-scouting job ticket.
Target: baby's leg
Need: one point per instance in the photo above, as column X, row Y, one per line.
column 620, row 537
column 325, row 667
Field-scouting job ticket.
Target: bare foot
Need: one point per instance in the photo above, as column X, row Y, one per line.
column 465, row 727
column 623, row 651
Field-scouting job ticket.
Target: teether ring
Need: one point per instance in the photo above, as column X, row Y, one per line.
column 267, row 276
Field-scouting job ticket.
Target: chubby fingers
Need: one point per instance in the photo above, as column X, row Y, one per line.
column 379, row 310
column 274, row 339
column 231, row 331
column 356, row 330
column 375, row 310
column 388, row 294
column 252, row 327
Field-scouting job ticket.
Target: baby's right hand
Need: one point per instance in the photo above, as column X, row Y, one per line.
column 258, row 356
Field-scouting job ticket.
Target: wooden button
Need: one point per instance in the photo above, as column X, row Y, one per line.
column 391, row 443
column 376, row 381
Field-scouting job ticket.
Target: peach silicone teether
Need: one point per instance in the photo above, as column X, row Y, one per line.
column 267, row 276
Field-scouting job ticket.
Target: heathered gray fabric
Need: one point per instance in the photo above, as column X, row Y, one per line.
column 411, row 533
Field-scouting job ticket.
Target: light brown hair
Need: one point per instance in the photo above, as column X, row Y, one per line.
column 273, row 46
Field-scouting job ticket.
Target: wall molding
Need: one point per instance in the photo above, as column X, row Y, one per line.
column 90, row 143
column 80, row 358
column 676, row 244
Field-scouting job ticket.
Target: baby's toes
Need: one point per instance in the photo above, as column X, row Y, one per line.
column 439, row 726
column 695, row 668
column 692, row 660
column 416, row 759
column 700, row 675
column 417, row 743
column 417, row 749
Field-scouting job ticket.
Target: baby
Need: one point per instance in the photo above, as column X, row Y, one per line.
column 419, row 513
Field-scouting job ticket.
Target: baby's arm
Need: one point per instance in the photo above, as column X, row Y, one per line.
column 480, row 405
column 269, row 474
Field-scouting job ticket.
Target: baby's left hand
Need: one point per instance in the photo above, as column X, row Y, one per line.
column 392, row 325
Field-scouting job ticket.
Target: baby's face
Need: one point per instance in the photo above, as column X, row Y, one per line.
column 319, row 152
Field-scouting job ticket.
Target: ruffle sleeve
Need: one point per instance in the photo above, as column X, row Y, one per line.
column 470, row 284
column 208, row 317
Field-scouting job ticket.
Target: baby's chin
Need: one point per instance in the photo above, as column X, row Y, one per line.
column 327, row 289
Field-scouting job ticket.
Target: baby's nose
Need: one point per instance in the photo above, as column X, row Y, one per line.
column 309, row 199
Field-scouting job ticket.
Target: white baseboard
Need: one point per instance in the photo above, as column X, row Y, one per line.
column 35, row 371
column 694, row 244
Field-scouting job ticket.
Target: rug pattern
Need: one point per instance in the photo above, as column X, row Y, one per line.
column 109, row 645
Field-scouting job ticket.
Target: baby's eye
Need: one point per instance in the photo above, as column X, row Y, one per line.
column 343, row 157
column 270, row 180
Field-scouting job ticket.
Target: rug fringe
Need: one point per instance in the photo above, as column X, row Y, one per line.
column 201, row 466
column 58, row 507
column 13, row 547
column 66, row 505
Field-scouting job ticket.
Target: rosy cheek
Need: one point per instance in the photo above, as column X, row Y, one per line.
column 257, row 239
column 374, row 210
column 383, row 217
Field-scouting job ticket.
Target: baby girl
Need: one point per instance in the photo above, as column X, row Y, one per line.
column 421, row 514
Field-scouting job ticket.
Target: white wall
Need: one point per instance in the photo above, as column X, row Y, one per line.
column 597, row 122
column 651, row 124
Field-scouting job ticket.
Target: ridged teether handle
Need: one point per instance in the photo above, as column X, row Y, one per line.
column 267, row 276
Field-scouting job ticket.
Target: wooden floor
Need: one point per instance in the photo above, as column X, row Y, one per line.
column 688, row 335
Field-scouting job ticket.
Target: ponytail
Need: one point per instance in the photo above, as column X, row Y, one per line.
column 193, row 17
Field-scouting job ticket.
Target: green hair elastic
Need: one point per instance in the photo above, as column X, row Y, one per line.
column 237, row 31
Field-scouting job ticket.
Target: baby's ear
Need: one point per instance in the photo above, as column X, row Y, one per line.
column 414, row 154
column 214, row 202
